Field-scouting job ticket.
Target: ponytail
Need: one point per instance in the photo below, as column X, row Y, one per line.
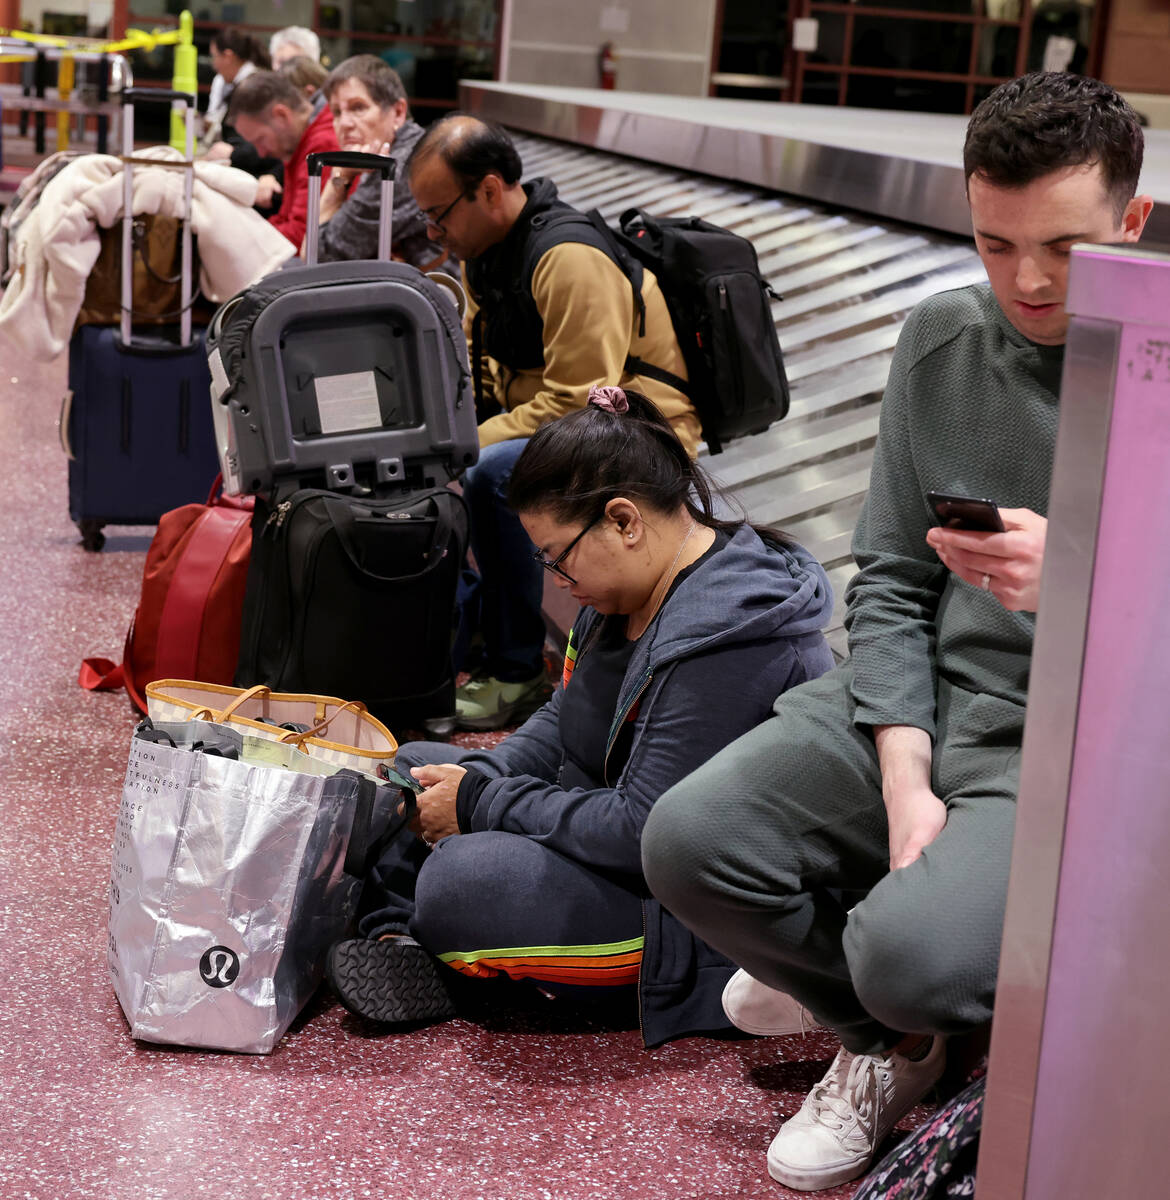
column 619, row 444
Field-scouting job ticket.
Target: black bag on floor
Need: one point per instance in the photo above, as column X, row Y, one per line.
column 353, row 596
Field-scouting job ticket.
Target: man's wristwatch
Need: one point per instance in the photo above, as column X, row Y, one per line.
column 339, row 182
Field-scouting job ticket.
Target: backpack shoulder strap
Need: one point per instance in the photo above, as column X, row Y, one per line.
column 630, row 266
column 639, row 366
column 570, row 225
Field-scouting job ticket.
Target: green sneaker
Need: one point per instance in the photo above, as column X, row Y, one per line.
column 484, row 702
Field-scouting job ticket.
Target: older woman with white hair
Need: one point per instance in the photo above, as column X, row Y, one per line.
column 292, row 42
column 371, row 114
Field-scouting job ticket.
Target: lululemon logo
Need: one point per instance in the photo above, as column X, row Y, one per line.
column 219, row 967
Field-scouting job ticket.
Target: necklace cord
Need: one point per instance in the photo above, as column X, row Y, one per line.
column 664, row 583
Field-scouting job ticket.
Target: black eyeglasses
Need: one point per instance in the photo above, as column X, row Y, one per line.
column 554, row 564
column 437, row 222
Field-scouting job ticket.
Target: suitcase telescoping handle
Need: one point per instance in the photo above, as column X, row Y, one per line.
column 357, row 161
column 130, row 97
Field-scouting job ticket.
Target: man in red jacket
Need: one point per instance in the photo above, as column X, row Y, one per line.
column 273, row 114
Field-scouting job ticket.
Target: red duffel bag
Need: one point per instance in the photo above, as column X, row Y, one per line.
column 187, row 624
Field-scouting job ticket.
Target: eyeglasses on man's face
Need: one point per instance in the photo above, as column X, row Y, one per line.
column 554, row 564
column 436, row 223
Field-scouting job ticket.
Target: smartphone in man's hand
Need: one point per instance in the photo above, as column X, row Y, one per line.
column 966, row 512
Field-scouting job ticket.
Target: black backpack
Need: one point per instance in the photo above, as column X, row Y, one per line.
column 719, row 305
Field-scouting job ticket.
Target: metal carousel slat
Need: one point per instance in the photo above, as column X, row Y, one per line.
column 761, row 457
column 783, row 216
column 650, row 198
column 892, row 245
column 738, row 216
column 861, row 345
column 845, row 387
column 593, row 192
column 569, row 163
column 536, row 153
column 562, row 167
column 821, row 246
column 889, row 305
column 836, row 635
column 902, row 269
column 705, row 206
column 828, row 535
column 791, row 233
column 807, row 489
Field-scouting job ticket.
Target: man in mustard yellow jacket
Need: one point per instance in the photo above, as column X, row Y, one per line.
column 551, row 314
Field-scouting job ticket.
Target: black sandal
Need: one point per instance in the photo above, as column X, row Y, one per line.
column 393, row 980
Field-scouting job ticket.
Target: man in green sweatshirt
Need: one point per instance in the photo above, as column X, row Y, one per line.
column 888, row 787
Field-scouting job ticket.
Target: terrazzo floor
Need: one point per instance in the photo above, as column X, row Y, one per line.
column 520, row 1099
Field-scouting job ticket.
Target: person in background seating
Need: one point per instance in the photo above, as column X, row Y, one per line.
column 292, row 42
column 550, row 315
column 528, row 862
column 305, row 73
column 236, row 55
column 274, row 115
column 852, row 853
column 371, row 114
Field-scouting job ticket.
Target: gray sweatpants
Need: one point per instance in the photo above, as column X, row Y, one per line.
column 764, row 849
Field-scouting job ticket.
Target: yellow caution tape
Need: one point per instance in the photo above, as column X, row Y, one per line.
column 134, row 39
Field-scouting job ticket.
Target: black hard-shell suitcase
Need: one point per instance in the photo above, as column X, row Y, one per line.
column 136, row 422
column 346, row 404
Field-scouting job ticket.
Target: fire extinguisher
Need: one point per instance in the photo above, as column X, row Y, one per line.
column 607, row 66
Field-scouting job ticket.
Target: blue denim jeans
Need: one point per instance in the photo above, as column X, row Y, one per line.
column 512, row 580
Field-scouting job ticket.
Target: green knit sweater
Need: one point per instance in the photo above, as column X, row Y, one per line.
column 970, row 408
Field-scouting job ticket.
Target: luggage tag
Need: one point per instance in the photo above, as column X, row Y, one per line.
column 260, row 752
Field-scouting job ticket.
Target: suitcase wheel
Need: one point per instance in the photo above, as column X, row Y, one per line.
column 92, row 538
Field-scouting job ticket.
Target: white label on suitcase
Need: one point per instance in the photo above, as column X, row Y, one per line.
column 348, row 402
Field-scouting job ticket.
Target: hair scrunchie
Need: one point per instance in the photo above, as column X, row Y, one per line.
column 609, row 399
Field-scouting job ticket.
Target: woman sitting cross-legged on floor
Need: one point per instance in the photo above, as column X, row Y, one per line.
column 527, row 860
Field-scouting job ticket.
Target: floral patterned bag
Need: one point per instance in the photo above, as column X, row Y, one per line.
column 937, row 1161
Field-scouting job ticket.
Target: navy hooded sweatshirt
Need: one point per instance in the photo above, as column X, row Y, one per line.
column 741, row 627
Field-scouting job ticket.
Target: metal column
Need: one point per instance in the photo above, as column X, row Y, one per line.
column 1076, row 1102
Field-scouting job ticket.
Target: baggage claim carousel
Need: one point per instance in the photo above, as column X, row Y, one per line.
column 795, row 181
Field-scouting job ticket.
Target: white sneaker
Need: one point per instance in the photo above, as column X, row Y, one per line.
column 756, row 1008
column 847, row 1116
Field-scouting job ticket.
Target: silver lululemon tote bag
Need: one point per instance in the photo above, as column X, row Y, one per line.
column 236, row 864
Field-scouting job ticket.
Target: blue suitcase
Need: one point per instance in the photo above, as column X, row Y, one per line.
column 137, row 424
column 137, row 428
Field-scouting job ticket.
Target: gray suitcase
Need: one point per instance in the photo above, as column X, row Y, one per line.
column 345, row 375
